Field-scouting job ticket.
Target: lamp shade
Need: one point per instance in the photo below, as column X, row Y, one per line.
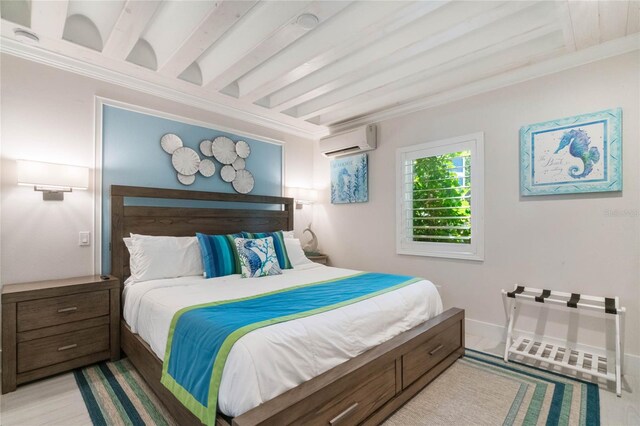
column 51, row 175
column 303, row 195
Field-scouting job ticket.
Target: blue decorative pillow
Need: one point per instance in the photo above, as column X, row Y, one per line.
column 219, row 255
column 278, row 245
column 257, row 257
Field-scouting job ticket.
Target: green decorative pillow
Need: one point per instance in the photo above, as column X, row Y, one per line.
column 257, row 257
column 278, row 243
column 219, row 254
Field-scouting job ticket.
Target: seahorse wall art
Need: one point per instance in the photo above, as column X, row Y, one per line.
column 578, row 142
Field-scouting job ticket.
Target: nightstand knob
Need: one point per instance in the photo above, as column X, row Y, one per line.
column 71, row 309
column 64, row 348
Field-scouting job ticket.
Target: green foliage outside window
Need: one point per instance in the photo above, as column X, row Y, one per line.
column 442, row 198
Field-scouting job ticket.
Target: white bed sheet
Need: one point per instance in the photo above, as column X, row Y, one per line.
column 271, row 360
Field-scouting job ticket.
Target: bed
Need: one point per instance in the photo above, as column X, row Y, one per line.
column 355, row 364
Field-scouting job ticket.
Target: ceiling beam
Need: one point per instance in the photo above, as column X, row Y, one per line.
column 77, row 59
column 133, row 20
column 211, row 28
column 585, row 20
column 260, row 23
column 466, row 69
column 48, row 17
column 613, row 19
column 550, row 66
column 633, row 18
column 468, row 37
column 273, row 44
column 427, row 22
column 564, row 15
column 356, row 27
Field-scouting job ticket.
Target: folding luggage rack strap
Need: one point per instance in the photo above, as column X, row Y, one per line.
column 563, row 355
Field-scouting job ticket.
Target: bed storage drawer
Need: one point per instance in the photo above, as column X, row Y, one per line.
column 40, row 313
column 353, row 406
column 421, row 359
column 51, row 350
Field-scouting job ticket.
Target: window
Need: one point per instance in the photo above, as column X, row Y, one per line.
column 440, row 198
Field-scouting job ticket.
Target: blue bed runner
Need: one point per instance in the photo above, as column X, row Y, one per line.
column 201, row 336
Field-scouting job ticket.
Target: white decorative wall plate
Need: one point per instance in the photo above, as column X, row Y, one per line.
column 243, row 183
column 228, row 173
column 170, row 143
column 239, row 164
column 186, row 180
column 224, row 150
column 207, row 168
column 243, row 149
column 185, row 161
column 205, row 148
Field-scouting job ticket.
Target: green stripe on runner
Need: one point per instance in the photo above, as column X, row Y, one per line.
column 565, row 410
column 112, row 396
column 105, row 415
column 583, row 404
column 140, row 394
column 515, row 405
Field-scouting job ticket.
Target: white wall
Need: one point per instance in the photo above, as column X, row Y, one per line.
column 48, row 115
column 568, row 243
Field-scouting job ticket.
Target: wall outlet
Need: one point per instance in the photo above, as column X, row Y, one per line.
column 84, row 238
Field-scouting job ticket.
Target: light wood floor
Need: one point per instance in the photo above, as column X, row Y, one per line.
column 57, row 401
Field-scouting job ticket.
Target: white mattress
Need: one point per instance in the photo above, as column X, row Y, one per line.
column 271, row 360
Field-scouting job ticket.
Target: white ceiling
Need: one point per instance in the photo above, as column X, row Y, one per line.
column 365, row 60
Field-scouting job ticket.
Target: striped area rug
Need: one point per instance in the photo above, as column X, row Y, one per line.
column 482, row 389
column 478, row 389
column 115, row 394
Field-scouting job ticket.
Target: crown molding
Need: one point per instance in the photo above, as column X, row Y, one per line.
column 56, row 60
column 574, row 59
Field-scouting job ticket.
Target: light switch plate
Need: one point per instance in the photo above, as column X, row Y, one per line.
column 84, row 238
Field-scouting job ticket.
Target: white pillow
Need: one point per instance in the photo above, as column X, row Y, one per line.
column 295, row 253
column 287, row 234
column 154, row 258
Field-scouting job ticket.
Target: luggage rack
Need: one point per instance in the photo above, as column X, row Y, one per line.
column 564, row 356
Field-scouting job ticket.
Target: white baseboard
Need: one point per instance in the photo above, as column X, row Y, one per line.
column 498, row 333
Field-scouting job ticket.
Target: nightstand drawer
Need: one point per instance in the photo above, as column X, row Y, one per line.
column 62, row 347
column 40, row 313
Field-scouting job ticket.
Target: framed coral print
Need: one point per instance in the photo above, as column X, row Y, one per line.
column 349, row 180
column 572, row 155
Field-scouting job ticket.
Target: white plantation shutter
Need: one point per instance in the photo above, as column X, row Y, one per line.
column 440, row 198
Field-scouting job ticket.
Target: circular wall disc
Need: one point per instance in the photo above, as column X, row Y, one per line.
column 205, row 148
column 227, row 173
column 186, row 180
column 243, row 149
column 239, row 164
column 170, row 143
column 207, row 168
column 185, row 161
column 224, row 150
column 243, row 183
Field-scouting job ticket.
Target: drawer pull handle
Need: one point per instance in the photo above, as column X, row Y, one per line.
column 343, row 415
column 64, row 348
column 436, row 350
column 71, row 309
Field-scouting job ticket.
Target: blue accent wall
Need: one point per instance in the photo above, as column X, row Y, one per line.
column 132, row 155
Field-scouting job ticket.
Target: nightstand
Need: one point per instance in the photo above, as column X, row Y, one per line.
column 49, row 327
column 322, row 259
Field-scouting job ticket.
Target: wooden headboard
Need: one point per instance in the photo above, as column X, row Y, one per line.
column 186, row 221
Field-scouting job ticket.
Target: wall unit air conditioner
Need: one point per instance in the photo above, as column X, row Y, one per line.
column 352, row 141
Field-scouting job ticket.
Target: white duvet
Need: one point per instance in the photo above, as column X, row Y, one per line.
column 271, row 360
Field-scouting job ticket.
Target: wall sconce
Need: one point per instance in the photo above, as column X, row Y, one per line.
column 302, row 196
column 52, row 179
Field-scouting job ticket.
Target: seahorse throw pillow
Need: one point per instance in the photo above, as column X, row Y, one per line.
column 257, row 257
